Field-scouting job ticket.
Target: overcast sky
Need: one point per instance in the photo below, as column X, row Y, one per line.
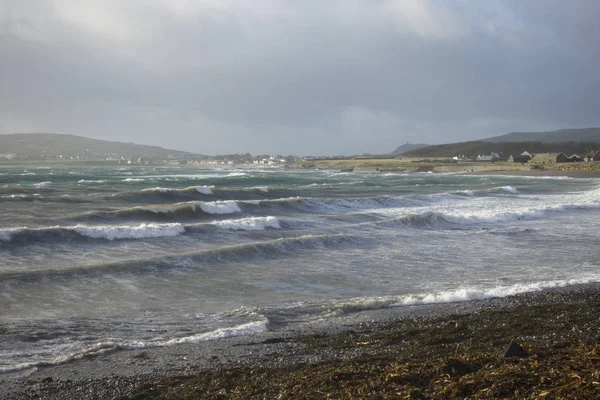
column 297, row 76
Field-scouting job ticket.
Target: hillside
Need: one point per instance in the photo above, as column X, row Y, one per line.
column 474, row 148
column 407, row 147
column 590, row 135
column 37, row 146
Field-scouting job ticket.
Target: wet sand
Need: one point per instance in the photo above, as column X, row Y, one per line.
column 439, row 351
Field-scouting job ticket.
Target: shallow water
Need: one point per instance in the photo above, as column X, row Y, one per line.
column 97, row 259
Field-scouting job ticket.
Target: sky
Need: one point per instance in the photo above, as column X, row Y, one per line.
column 302, row 77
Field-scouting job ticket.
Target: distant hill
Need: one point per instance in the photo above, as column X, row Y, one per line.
column 37, row 146
column 474, row 148
column 590, row 135
column 407, row 147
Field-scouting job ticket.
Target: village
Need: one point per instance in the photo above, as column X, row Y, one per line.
column 534, row 159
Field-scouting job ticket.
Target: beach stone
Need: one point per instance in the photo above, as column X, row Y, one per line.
column 457, row 368
column 514, row 349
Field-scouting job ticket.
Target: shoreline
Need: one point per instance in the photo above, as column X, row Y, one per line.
column 447, row 350
column 413, row 165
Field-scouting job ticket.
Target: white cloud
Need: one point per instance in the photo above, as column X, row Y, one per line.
column 340, row 76
column 426, row 18
column 112, row 20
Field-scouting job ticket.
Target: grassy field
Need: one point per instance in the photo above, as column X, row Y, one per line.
column 409, row 165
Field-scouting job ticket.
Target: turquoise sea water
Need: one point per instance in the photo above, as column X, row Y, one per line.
column 102, row 259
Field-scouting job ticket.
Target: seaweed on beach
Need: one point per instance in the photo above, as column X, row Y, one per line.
column 458, row 356
column 428, row 358
column 569, row 372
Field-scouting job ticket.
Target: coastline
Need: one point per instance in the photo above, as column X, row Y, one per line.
column 413, row 165
column 451, row 350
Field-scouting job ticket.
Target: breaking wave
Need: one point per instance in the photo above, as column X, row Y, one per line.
column 249, row 224
column 509, row 189
column 270, row 249
column 190, row 209
column 108, row 232
column 71, row 352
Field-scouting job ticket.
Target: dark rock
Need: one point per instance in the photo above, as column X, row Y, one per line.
column 457, row 368
column 47, row 380
column 274, row 340
column 514, row 349
column 343, row 376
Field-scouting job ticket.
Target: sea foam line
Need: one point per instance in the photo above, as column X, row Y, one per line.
column 249, row 224
column 110, row 345
column 457, row 295
column 110, row 232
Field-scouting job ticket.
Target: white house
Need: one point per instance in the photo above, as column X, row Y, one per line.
column 490, row 157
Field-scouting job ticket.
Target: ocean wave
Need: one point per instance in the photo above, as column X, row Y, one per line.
column 42, row 184
column 338, row 308
column 198, row 189
column 493, row 210
column 185, row 209
column 509, row 189
column 38, row 197
column 249, row 224
column 161, row 194
column 438, row 219
column 141, row 231
column 220, row 207
column 476, row 293
column 195, row 208
column 24, row 197
column 221, row 333
column 109, row 232
column 270, row 249
column 91, row 181
column 76, row 351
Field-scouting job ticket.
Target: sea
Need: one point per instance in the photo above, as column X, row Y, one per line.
column 112, row 258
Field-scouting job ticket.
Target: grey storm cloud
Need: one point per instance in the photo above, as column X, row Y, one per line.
column 297, row 77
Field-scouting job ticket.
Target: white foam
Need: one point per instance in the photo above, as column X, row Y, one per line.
column 157, row 189
column 456, row 295
column 509, row 189
column 156, row 209
column 91, row 181
column 68, row 354
column 494, row 209
column 263, row 189
column 203, row 189
column 220, row 207
column 240, row 330
column 112, row 232
column 6, row 234
column 133, row 180
column 474, row 293
column 43, row 184
column 249, row 224
column 20, row 196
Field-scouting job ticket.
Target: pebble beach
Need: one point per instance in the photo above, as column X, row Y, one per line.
column 449, row 351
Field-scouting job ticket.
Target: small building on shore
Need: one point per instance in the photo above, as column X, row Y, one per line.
column 488, row 157
column 544, row 158
column 524, row 157
column 574, row 158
